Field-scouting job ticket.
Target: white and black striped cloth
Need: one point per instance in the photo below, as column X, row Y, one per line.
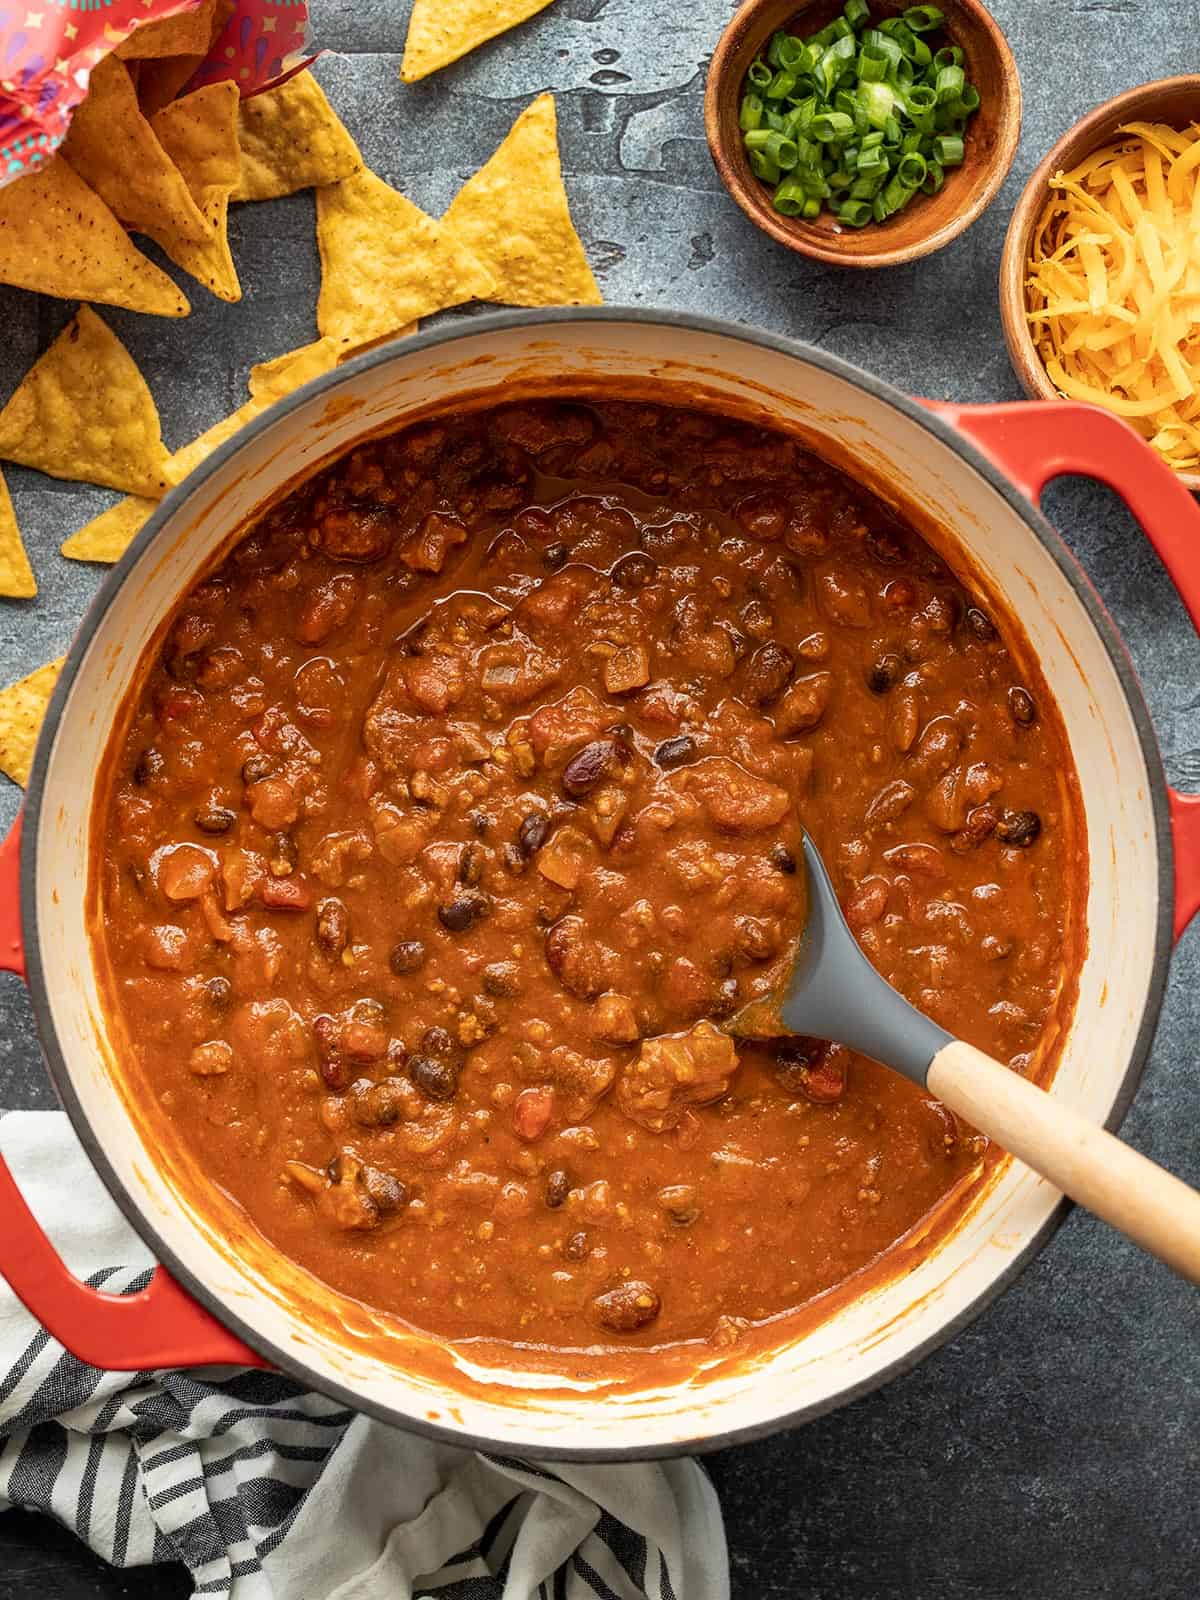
column 268, row 1492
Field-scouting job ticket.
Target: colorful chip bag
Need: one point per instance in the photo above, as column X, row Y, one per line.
column 58, row 237
column 514, row 216
column 440, row 31
column 292, row 138
column 384, row 263
column 83, row 412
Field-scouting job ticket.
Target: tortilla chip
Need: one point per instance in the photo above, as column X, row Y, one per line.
column 114, row 149
column 183, row 34
column 16, row 575
column 271, row 380
column 200, row 135
column 384, row 263
column 514, row 215
column 83, row 412
column 22, row 707
column 291, row 139
column 159, row 81
column 108, row 536
column 440, row 31
column 58, row 237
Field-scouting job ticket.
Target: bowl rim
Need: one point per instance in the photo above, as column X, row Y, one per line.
column 221, row 460
column 812, row 244
column 1086, row 135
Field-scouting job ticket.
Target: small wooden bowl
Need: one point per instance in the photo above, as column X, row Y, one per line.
column 1171, row 100
column 930, row 221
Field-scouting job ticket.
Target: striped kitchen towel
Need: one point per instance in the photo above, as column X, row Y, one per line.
column 268, row 1492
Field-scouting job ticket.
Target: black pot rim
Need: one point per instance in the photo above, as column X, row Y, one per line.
column 501, row 322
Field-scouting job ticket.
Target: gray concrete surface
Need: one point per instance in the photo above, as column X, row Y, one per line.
column 1049, row 1452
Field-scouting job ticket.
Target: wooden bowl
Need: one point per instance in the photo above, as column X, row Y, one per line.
column 930, row 221
column 1171, row 100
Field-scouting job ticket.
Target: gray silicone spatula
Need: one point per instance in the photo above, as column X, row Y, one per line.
column 835, row 993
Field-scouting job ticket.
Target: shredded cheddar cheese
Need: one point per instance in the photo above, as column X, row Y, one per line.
column 1114, row 284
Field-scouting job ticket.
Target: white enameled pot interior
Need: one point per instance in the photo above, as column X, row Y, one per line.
column 882, row 1330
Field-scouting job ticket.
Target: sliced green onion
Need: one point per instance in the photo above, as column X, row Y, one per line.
column 780, row 86
column 896, row 194
column 934, row 178
column 891, row 134
column 912, row 169
column 950, row 56
column 857, row 13
column 751, row 114
column 830, row 126
column 878, row 102
column 760, row 75
column 948, row 150
column 882, row 44
column 969, row 101
column 924, row 19
column 949, row 84
column 791, row 197
column 764, row 169
column 854, row 213
column 812, row 208
column 868, row 184
column 782, row 151
column 775, row 50
column 872, row 161
column 873, row 67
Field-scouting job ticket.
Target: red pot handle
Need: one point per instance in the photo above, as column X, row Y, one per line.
column 1034, row 442
column 160, row 1325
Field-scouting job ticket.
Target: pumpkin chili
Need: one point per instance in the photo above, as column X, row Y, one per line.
column 460, row 805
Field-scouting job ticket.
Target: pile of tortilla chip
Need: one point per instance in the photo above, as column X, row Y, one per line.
column 142, row 158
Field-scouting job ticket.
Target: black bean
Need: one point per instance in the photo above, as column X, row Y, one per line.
column 472, row 859
column 333, row 926
column 502, row 980
column 782, row 859
column 1019, row 828
column 674, row 752
column 533, row 833
column 285, row 854
column 215, row 819
column 407, row 956
column 513, row 859
column 437, row 1042
column 437, row 1080
column 599, row 759
column 577, row 1247
column 727, row 999
column 461, row 914
column 768, row 673
column 628, row 1307
column 149, row 765
column 481, row 822
column 1022, row 707
column 219, row 993
column 257, row 767
column 554, row 556
column 884, row 674
column 558, row 1187
column 388, row 1193
column 634, row 571
column 980, row 624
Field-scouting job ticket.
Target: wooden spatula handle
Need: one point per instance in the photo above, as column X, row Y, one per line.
column 1155, row 1209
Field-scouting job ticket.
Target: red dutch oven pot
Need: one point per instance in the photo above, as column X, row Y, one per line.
column 977, row 470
